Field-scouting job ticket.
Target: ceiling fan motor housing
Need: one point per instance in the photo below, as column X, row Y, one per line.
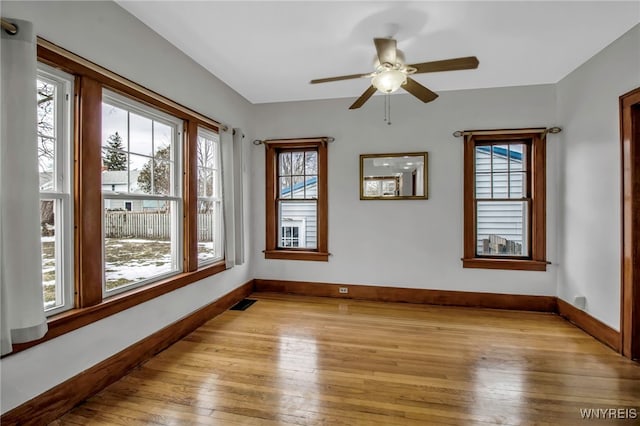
column 391, row 72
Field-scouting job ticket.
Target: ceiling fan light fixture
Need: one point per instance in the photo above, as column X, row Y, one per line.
column 389, row 80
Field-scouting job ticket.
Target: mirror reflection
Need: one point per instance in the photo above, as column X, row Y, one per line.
column 393, row 176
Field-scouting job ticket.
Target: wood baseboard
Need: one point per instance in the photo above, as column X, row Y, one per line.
column 55, row 402
column 412, row 295
column 589, row 324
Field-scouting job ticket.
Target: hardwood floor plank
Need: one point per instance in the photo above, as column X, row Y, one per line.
column 313, row 361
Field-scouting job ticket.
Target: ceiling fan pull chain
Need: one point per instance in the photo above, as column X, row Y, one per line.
column 386, row 97
column 387, row 109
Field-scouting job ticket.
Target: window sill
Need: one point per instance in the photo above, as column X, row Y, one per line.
column 76, row 318
column 507, row 264
column 296, row 255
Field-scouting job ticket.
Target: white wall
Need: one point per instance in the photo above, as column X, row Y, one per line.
column 589, row 176
column 409, row 243
column 109, row 36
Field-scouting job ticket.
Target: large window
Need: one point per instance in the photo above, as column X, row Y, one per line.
column 141, row 188
column 210, row 247
column 505, row 200
column 296, row 199
column 118, row 188
column 54, row 124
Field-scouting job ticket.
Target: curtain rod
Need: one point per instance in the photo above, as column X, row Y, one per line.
column 544, row 130
column 266, row 141
column 8, row 26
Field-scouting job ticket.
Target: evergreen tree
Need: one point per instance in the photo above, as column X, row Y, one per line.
column 114, row 158
column 161, row 173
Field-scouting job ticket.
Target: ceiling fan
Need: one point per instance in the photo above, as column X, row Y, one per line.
column 391, row 72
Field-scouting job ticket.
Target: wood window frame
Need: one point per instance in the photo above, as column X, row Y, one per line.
column 536, row 260
column 272, row 251
column 89, row 305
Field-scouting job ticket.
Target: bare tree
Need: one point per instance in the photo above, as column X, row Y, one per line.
column 206, row 160
column 46, row 125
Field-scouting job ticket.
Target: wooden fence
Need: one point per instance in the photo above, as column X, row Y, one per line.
column 496, row 244
column 152, row 225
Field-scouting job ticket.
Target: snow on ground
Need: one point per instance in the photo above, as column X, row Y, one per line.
column 126, row 261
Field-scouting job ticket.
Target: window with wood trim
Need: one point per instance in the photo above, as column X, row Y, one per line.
column 210, row 221
column 296, row 197
column 142, row 194
column 504, row 200
column 150, row 143
column 55, row 159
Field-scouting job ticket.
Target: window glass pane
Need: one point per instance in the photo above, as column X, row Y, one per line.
column 285, row 187
column 46, row 93
column 50, row 240
column 483, row 159
column 162, row 172
column 46, row 134
column 207, row 153
column 297, row 163
column 140, row 134
column 311, row 187
column 301, row 215
column 500, row 182
column 483, row 186
column 207, row 163
column 501, row 228
column 517, row 182
column 46, row 163
column 285, row 163
column 311, row 163
column 114, row 121
column 115, row 180
column 499, row 157
column 141, row 175
column 138, row 241
column 114, row 160
column 162, row 136
column 209, row 230
column 205, row 182
column 516, row 156
column 297, row 190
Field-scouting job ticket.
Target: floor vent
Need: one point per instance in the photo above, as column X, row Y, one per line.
column 243, row 304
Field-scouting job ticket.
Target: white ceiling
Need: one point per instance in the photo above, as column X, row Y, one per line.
column 268, row 51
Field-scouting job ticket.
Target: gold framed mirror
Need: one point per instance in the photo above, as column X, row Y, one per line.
column 401, row 176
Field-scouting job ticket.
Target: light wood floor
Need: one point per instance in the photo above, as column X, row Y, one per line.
column 308, row 361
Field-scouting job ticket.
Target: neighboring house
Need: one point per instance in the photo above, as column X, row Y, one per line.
column 118, row 181
column 299, row 219
column 500, row 222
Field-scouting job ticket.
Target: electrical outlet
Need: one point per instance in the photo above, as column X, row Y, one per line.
column 344, row 290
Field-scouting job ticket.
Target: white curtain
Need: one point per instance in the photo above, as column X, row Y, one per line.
column 21, row 305
column 239, row 169
column 228, row 198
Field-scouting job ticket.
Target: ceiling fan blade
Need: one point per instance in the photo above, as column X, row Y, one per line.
column 342, row 77
column 386, row 48
column 419, row 91
column 466, row 63
column 364, row 98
